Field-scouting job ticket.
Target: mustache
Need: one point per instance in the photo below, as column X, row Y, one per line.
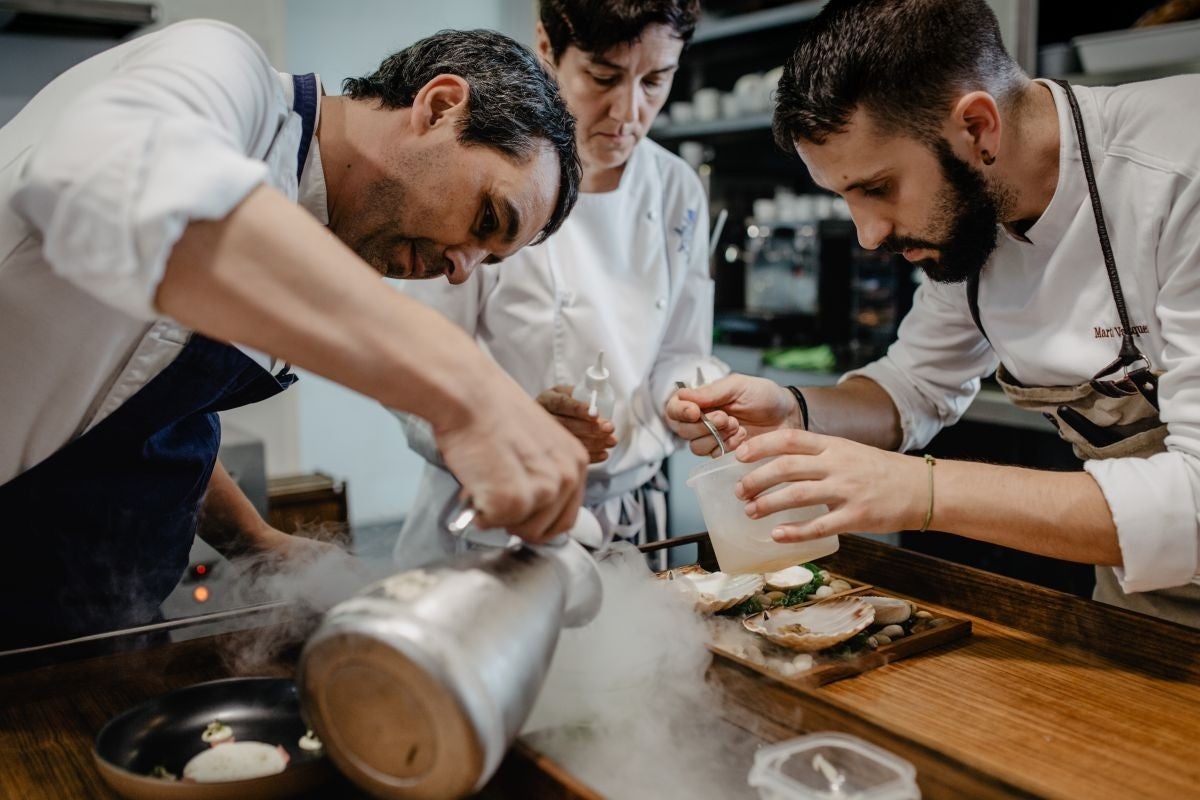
column 428, row 261
column 898, row 244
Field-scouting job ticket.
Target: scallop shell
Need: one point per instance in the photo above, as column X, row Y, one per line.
column 719, row 591
column 889, row 610
column 790, row 578
column 814, row 627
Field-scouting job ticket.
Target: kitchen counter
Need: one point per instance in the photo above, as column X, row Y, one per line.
column 1051, row 696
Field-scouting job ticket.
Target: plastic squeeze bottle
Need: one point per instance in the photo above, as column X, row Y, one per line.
column 595, row 390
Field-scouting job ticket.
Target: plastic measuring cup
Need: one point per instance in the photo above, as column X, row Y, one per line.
column 743, row 544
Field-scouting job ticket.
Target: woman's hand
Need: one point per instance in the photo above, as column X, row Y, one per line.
column 866, row 489
column 595, row 433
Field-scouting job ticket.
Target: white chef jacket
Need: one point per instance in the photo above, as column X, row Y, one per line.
column 1046, row 305
column 627, row 274
column 99, row 175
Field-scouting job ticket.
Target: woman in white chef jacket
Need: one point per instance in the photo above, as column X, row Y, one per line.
column 627, row 274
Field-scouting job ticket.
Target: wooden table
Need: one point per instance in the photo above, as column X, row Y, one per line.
column 1051, row 697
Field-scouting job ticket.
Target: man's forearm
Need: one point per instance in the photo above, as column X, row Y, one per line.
column 271, row 277
column 857, row 409
column 1058, row 514
column 228, row 520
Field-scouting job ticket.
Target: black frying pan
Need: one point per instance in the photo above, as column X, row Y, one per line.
column 165, row 731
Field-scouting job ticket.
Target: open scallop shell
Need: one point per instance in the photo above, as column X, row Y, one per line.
column 814, row 627
column 790, row 578
column 719, row 591
column 889, row 610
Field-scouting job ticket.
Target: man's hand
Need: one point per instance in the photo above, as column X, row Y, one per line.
column 522, row 470
column 594, row 433
column 739, row 406
column 866, row 489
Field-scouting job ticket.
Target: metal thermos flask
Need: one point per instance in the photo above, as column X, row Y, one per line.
column 417, row 685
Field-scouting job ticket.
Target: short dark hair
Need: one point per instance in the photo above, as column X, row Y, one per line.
column 597, row 26
column 513, row 101
column 903, row 61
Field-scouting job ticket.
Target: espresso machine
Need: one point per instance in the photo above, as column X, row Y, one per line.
column 800, row 278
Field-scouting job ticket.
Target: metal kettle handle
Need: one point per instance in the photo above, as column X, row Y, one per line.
column 458, row 515
column 457, row 519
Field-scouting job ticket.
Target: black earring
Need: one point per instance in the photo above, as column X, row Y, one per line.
column 988, row 158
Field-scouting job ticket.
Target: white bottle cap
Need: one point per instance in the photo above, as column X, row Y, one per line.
column 596, row 374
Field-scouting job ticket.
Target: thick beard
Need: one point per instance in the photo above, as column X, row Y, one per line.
column 969, row 211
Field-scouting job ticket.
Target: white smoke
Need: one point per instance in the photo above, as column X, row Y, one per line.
column 626, row 708
column 310, row 580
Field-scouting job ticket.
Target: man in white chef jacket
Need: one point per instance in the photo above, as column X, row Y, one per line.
column 175, row 195
column 1059, row 227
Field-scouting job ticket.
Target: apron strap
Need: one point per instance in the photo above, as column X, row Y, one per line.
column 304, row 103
column 973, row 302
column 1129, row 351
column 1134, row 363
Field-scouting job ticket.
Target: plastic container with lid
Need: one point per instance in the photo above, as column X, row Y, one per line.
column 831, row 765
column 743, row 544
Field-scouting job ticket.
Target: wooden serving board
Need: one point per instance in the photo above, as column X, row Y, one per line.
column 831, row 667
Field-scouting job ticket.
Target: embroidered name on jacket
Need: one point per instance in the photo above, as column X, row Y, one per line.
column 1117, row 331
column 685, row 231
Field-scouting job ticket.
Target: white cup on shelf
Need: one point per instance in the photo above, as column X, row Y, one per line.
column 749, row 91
column 706, row 104
column 729, row 106
column 681, row 113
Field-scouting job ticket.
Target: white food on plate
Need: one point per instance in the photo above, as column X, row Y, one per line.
column 217, row 732
column 236, row 761
column 310, row 742
column 790, row 578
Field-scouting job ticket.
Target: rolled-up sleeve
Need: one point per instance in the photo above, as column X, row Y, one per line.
column 165, row 139
column 932, row 371
column 1154, row 500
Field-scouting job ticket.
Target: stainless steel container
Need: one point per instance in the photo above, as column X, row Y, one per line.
column 418, row 685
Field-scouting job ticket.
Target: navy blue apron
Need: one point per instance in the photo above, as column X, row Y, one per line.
column 99, row 533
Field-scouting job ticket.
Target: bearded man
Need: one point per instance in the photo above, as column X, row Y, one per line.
column 1059, row 229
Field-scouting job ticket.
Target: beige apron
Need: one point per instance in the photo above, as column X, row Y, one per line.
column 1101, row 422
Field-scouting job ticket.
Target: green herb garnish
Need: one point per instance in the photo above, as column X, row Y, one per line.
column 802, row 593
column 745, row 609
column 163, row 773
column 852, row 646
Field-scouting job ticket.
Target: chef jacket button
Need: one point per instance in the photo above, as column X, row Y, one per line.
column 568, row 298
column 660, row 303
column 650, row 215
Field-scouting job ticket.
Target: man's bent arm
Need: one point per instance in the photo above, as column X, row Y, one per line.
column 857, row 409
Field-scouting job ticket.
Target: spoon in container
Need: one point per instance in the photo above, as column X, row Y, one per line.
column 707, row 422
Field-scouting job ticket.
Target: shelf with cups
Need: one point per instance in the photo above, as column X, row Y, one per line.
column 716, row 127
column 714, row 28
column 718, row 118
column 1131, row 75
